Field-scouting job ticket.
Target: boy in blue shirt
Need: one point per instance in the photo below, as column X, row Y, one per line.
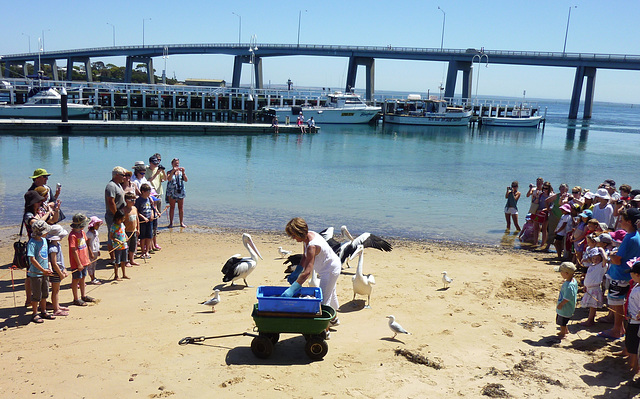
column 567, row 298
column 39, row 270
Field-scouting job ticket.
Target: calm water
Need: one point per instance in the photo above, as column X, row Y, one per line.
column 400, row 181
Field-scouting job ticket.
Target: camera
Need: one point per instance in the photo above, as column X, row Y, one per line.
column 161, row 167
column 531, row 185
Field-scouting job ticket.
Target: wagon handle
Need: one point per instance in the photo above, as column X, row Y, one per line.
column 193, row 340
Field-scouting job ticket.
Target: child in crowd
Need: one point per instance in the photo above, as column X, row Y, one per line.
column 579, row 233
column 595, row 259
column 93, row 241
column 57, row 265
column 526, row 234
column 131, row 226
column 39, row 271
column 79, row 259
column 631, row 339
column 119, row 238
column 511, row 208
column 567, row 298
column 145, row 207
column 564, row 228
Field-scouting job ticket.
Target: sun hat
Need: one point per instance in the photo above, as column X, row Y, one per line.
column 604, row 237
column 610, row 183
column 94, row 220
column 43, row 191
column 602, row 193
column 589, row 195
column 566, row 207
column 56, row 233
column 566, row 267
column 586, row 213
column 618, row 235
column 603, row 226
column 79, row 221
column 31, row 198
column 39, row 228
column 39, row 172
column 636, row 198
column 633, row 214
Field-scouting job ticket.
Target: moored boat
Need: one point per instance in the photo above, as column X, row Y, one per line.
column 519, row 116
column 338, row 108
column 430, row 112
column 43, row 103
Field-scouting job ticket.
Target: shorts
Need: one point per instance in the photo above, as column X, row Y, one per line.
column 559, row 237
column 39, row 288
column 133, row 241
column 78, row 275
column 631, row 339
column 120, row 255
column 618, row 290
column 510, row 210
column 55, row 278
column 561, row 320
column 146, row 231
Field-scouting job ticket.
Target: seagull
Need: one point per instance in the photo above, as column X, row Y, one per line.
column 283, row 252
column 367, row 240
column 362, row 284
column 395, row 327
column 238, row 267
column 446, row 280
column 213, row 301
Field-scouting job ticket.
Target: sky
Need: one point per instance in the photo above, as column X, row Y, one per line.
column 541, row 25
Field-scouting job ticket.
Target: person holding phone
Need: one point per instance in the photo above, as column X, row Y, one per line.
column 511, row 208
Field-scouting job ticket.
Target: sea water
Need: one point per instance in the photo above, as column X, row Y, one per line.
column 413, row 182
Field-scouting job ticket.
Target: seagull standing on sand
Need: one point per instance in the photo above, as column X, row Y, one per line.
column 213, row 301
column 446, row 280
column 239, row 268
column 283, row 252
column 395, row 327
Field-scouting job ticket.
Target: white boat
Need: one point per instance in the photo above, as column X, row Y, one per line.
column 43, row 103
column 519, row 116
column 432, row 112
column 338, row 108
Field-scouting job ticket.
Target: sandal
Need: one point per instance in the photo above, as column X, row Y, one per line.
column 79, row 302
column 88, row 299
column 37, row 319
column 157, row 247
column 47, row 316
column 60, row 313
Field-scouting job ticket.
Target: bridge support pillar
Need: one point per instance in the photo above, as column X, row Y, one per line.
column 128, row 71
column 238, row 60
column 87, row 67
column 452, row 76
column 581, row 73
column 9, row 64
column 352, row 71
column 54, row 67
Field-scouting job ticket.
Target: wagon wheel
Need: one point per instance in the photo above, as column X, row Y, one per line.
column 316, row 348
column 262, row 347
column 273, row 337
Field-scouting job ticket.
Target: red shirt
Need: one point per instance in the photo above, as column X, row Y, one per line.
column 78, row 243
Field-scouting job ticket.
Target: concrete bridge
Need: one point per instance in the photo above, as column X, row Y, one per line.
column 459, row 60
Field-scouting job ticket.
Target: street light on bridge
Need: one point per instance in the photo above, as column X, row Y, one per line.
column 29, row 39
column 239, row 25
column 114, row 33
column 566, row 33
column 44, row 30
column 444, row 18
column 144, row 19
column 299, row 18
column 480, row 56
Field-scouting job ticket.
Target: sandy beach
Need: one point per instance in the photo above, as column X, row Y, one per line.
column 491, row 333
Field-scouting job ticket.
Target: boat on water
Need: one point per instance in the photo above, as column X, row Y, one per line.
column 45, row 103
column 518, row 116
column 430, row 112
column 338, row 108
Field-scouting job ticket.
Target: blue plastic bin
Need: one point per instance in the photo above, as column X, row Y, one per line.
column 269, row 300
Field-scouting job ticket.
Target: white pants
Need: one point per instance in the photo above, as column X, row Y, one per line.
column 328, row 281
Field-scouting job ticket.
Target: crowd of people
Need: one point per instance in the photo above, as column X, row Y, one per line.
column 133, row 206
column 596, row 236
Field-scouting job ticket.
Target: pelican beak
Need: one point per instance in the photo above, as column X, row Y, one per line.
column 357, row 252
column 254, row 247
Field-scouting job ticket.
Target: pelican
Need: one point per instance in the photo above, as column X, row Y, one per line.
column 213, row 301
column 291, row 262
column 362, row 285
column 367, row 240
column 446, row 280
column 238, row 267
column 395, row 327
column 283, row 252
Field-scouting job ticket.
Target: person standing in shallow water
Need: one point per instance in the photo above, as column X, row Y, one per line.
column 511, row 208
column 176, row 191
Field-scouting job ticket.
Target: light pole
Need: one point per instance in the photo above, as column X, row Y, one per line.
column 239, row 25
column 165, row 56
column 144, row 19
column 29, row 39
column 299, row 18
column 480, row 56
column 444, row 18
column 114, row 33
column 566, row 33
column 253, row 47
column 44, row 30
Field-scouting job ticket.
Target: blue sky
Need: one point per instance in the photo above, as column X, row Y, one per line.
column 595, row 27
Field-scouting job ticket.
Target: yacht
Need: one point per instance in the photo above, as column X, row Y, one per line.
column 430, row 112
column 43, row 102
